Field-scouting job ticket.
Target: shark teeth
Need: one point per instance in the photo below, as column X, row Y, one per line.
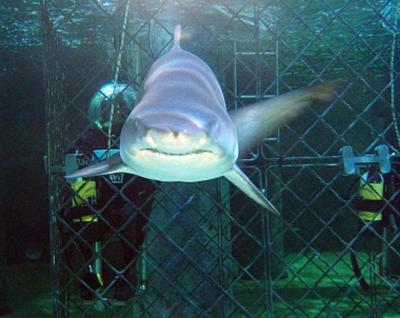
column 196, row 152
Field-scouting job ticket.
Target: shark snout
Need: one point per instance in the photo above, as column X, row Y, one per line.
column 175, row 123
column 171, row 133
column 174, row 142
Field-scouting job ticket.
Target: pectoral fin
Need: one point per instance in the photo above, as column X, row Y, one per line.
column 257, row 121
column 239, row 179
column 112, row 165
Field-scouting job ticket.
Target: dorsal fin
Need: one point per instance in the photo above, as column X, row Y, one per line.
column 177, row 37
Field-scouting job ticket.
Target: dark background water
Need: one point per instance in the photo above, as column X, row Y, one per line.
column 23, row 145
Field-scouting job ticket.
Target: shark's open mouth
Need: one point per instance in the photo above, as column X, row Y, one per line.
column 196, row 152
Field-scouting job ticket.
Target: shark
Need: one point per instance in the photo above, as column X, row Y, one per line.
column 180, row 129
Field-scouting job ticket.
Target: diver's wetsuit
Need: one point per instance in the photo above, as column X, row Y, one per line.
column 124, row 202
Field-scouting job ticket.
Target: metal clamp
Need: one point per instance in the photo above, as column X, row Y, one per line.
column 351, row 163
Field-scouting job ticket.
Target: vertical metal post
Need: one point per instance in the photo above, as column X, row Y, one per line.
column 224, row 244
column 258, row 50
column 264, row 215
column 277, row 79
column 54, row 260
column 235, row 85
column 54, row 133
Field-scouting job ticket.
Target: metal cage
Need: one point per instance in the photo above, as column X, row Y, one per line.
column 209, row 251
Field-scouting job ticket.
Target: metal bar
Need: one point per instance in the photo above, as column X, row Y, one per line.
column 255, row 96
column 235, row 85
column 277, row 79
column 250, row 53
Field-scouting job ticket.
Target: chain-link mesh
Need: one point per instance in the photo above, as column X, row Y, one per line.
column 208, row 250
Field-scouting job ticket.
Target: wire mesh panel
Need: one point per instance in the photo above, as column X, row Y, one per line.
column 127, row 246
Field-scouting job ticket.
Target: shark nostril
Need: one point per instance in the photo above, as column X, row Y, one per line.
column 150, row 140
column 202, row 140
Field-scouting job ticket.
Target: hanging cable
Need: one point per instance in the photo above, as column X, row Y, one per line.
column 117, row 70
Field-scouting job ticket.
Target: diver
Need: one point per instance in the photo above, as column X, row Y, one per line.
column 377, row 205
column 116, row 206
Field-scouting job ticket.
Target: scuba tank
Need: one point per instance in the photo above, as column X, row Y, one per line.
column 370, row 203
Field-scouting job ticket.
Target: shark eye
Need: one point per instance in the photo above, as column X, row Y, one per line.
column 215, row 128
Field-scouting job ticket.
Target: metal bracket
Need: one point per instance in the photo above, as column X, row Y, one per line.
column 71, row 165
column 352, row 163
